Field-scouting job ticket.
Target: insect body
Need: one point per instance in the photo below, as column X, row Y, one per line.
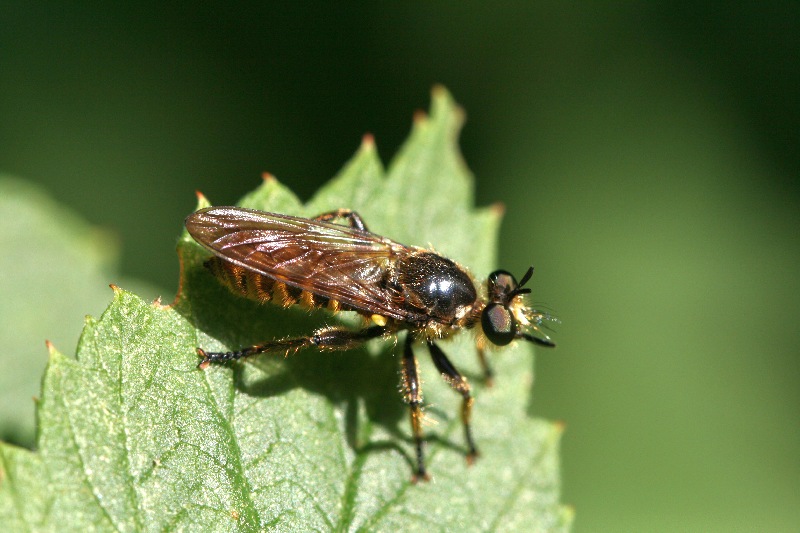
column 318, row 263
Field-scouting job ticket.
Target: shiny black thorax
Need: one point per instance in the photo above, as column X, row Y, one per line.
column 432, row 285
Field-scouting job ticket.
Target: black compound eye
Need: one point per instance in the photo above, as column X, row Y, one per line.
column 498, row 324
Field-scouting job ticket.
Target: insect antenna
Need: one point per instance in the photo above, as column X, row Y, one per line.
column 519, row 290
column 526, row 277
column 516, row 292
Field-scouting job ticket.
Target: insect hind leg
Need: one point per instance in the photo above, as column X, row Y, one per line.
column 325, row 338
column 353, row 218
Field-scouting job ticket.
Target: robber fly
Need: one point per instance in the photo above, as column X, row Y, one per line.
column 321, row 264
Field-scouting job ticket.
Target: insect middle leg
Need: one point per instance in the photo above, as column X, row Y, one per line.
column 324, row 338
column 413, row 396
column 459, row 384
column 353, row 218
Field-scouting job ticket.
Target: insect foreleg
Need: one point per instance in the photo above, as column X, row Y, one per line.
column 324, row 338
column 459, row 384
column 353, row 218
column 488, row 373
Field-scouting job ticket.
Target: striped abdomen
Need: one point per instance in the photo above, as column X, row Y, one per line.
column 264, row 289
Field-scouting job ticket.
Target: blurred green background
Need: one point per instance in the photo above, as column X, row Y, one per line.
column 648, row 155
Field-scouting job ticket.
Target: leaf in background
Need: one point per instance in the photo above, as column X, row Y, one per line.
column 55, row 268
column 132, row 436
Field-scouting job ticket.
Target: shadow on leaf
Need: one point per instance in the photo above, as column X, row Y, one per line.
column 347, row 379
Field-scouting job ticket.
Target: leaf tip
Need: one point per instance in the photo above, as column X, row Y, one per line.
column 420, row 117
column 52, row 351
column 268, row 177
column 439, row 91
column 202, row 201
column 498, row 209
column 442, row 102
column 557, row 429
column 117, row 290
column 367, row 142
column 158, row 305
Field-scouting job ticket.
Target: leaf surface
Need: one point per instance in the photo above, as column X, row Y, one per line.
column 133, row 436
column 55, row 268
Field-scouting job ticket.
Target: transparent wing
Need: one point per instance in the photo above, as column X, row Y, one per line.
column 331, row 260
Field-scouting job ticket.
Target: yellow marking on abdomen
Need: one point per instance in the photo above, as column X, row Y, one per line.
column 262, row 289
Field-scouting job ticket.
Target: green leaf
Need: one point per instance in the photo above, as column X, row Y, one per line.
column 55, row 268
column 133, row 436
